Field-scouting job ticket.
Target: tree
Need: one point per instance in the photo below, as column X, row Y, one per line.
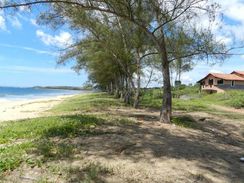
column 115, row 42
column 161, row 21
column 181, row 66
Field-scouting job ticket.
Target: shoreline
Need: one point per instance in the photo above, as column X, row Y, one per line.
column 18, row 109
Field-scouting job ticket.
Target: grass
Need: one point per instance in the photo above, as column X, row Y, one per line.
column 41, row 131
column 87, row 103
column 35, row 136
column 34, row 141
column 37, row 130
column 194, row 101
column 92, row 172
column 185, row 121
column 12, row 156
column 197, row 102
column 50, row 126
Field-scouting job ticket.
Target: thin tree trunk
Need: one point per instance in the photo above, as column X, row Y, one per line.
column 116, row 94
column 138, row 87
column 126, row 94
column 122, row 86
column 150, row 77
column 111, row 88
column 166, row 111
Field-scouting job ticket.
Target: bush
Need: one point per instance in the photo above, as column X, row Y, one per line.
column 236, row 99
column 185, row 90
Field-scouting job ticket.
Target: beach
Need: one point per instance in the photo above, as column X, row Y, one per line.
column 28, row 108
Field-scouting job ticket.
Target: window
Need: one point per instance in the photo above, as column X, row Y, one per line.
column 232, row 83
column 210, row 81
column 220, row 82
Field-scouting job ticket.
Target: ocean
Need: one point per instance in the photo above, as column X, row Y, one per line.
column 13, row 93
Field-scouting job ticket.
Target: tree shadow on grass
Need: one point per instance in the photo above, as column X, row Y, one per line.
column 96, row 137
column 92, row 172
column 56, row 142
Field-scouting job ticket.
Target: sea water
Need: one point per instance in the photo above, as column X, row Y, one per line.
column 13, row 93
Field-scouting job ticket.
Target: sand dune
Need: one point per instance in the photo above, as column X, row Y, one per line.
column 28, row 108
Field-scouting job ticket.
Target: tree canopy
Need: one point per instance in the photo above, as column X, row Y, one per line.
column 121, row 34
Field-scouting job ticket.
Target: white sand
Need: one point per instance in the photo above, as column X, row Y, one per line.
column 27, row 108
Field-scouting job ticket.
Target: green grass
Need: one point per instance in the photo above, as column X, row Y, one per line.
column 195, row 101
column 12, row 156
column 234, row 99
column 87, row 103
column 39, row 133
column 51, row 126
column 185, row 121
column 19, row 139
column 192, row 91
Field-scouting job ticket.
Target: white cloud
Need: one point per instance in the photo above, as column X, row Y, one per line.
column 228, row 25
column 34, row 69
column 215, row 71
column 15, row 23
column 223, row 39
column 186, row 79
column 13, row 20
column 2, row 23
column 63, row 40
column 38, row 51
column 242, row 56
column 234, row 10
column 24, row 9
column 33, row 22
column 2, row 20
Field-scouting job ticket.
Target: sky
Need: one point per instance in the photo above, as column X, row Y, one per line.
column 228, row 26
column 28, row 51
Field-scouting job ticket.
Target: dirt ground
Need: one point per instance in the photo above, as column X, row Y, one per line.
column 148, row 151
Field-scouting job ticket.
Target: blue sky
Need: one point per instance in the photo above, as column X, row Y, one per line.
column 28, row 52
column 228, row 26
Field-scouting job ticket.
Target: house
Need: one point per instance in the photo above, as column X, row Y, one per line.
column 216, row 82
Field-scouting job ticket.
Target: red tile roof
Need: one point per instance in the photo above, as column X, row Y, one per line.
column 230, row 77
column 238, row 72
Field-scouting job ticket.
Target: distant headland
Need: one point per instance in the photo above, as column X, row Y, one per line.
column 60, row 87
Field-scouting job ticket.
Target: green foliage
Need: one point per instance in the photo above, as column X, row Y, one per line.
column 183, row 90
column 87, row 86
column 151, row 98
column 12, row 156
column 185, row 121
column 118, row 32
column 234, row 99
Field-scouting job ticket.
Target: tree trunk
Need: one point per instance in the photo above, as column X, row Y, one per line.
column 126, row 92
column 111, row 88
column 116, row 94
column 138, row 87
column 166, row 111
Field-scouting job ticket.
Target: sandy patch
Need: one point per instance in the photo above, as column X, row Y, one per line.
column 29, row 108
